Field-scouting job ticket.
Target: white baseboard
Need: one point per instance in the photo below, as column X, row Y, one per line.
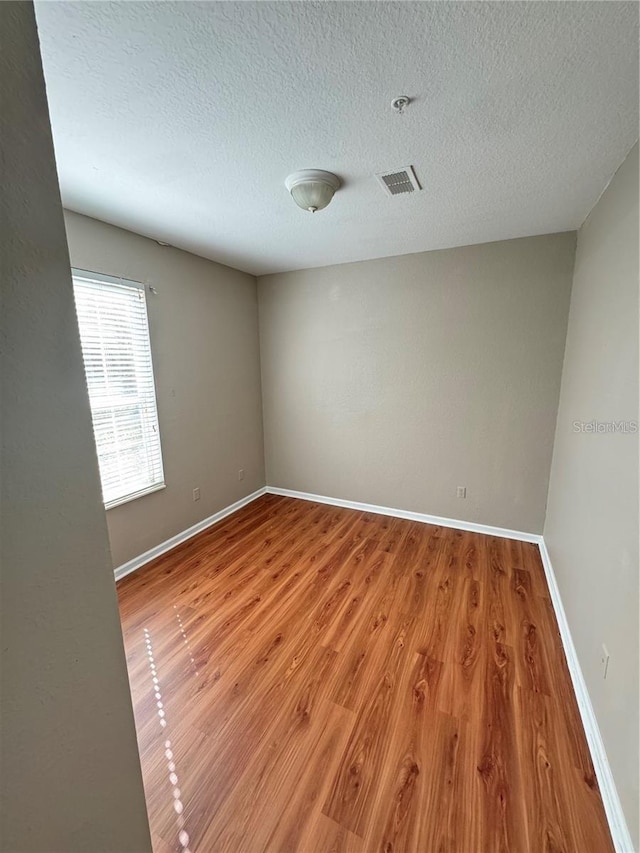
column 471, row 526
column 163, row 547
column 612, row 806
column 137, row 562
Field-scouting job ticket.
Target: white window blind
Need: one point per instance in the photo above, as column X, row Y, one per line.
column 114, row 331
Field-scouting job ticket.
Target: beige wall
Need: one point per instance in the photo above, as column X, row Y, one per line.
column 70, row 776
column 393, row 381
column 591, row 528
column 203, row 324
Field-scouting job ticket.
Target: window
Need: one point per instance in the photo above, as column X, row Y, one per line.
column 112, row 316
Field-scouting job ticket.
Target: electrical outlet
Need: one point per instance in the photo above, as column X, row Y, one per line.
column 461, row 492
column 241, row 473
column 604, row 660
column 196, row 494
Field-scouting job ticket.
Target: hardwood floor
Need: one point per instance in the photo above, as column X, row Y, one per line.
column 314, row 679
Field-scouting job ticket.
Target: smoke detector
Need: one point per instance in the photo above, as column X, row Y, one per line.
column 400, row 103
column 399, row 181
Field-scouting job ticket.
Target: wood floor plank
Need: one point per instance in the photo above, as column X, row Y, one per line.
column 311, row 679
column 551, row 816
column 440, row 826
column 401, row 799
column 462, row 690
column 297, row 824
column 352, row 796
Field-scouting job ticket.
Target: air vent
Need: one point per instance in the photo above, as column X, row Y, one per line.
column 399, row 181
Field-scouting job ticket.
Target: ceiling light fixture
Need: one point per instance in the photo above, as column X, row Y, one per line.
column 312, row 189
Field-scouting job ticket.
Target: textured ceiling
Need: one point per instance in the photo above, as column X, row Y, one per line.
column 182, row 120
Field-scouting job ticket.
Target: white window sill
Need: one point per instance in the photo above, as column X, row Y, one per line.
column 135, row 495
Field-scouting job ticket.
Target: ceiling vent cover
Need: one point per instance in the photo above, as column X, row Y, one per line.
column 399, row 181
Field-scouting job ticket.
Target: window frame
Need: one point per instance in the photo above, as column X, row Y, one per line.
column 103, row 278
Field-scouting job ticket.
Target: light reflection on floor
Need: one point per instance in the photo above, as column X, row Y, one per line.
column 185, row 640
column 183, row 835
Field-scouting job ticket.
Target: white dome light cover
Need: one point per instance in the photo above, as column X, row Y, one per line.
column 312, row 189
